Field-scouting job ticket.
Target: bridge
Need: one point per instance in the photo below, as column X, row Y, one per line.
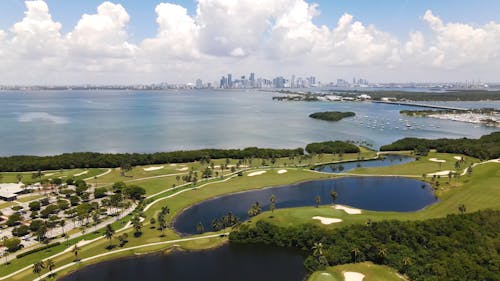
column 421, row 105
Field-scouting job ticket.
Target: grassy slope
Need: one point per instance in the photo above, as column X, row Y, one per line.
column 371, row 271
column 7, row 177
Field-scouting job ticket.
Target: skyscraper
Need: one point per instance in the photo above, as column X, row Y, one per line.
column 229, row 80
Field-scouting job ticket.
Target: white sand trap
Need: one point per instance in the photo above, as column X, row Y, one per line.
column 153, row 168
column 216, row 166
column 81, row 174
column 282, row 171
column 324, row 220
column 353, row 276
column 457, row 157
column 256, row 173
column 183, row 169
column 49, row 174
column 437, row 160
column 173, row 165
column 349, row 210
column 441, row 173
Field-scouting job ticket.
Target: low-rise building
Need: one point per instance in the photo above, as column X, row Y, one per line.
column 9, row 191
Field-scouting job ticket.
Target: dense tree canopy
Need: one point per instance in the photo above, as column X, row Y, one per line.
column 457, row 247
column 106, row 160
column 332, row 147
column 331, row 115
column 486, row 147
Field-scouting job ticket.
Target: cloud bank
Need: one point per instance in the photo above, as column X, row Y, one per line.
column 269, row 37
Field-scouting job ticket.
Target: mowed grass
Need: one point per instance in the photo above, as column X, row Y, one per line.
column 420, row 166
column 27, row 177
column 371, row 271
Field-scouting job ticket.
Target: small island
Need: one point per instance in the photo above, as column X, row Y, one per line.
column 332, row 115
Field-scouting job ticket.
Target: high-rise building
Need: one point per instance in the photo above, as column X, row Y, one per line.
column 229, row 80
column 223, row 82
column 199, row 84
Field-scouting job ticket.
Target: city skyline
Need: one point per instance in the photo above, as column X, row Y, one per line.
column 116, row 42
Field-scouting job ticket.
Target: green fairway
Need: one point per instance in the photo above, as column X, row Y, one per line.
column 423, row 165
column 370, row 271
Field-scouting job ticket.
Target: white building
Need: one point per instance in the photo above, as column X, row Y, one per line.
column 9, row 191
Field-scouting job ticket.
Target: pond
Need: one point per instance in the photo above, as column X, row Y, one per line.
column 229, row 262
column 386, row 160
column 370, row 193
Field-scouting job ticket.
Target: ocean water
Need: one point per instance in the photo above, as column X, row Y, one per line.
column 53, row 122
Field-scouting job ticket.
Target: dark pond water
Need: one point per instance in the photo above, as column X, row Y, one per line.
column 388, row 160
column 370, row 193
column 230, row 262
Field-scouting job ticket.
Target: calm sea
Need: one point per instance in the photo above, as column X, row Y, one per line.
column 46, row 122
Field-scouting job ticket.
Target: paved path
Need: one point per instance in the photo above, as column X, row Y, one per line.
column 100, row 175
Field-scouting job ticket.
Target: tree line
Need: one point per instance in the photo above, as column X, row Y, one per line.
column 457, row 247
column 332, row 147
column 486, row 147
column 107, row 160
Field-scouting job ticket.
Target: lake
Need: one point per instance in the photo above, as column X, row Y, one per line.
column 370, row 193
column 385, row 160
column 229, row 262
column 54, row 122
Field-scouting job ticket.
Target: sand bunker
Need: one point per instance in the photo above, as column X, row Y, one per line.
column 437, row 160
column 458, row 157
column 183, row 169
column 441, row 173
column 153, row 168
column 349, row 210
column 324, row 220
column 80, row 174
column 282, row 171
column 173, row 165
column 49, row 174
column 353, row 276
column 256, row 173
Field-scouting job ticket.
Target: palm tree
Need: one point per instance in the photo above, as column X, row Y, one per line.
column 382, row 252
column 109, row 232
column 49, row 264
column 355, row 253
column 317, row 200
column 462, row 209
column 62, row 223
column 333, row 195
column 318, row 249
column 273, row 203
column 75, row 251
column 19, row 177
column 407, row 261
column 137, row 223
column 38, row 267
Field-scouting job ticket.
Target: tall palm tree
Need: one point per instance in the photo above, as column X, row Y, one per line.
column 462, row 209
column 49, row 264
column 109, row 233
column 382, row 252
column 355, row 253
column 75, row 251
column 38, row 268
column 317, row 200
column 333, row 195
column 272, row 200
column 62, row 223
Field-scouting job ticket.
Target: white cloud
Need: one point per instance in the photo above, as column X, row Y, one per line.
column 103, row 34
column 265, row 36
column 37, row 35
column 453, row 45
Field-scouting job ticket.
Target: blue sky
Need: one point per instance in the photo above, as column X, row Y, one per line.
column 398, row 17
column 389, row 40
